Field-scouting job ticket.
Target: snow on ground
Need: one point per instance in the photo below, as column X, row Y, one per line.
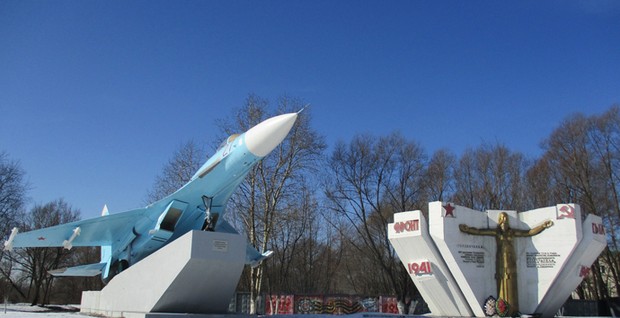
column 27, row 311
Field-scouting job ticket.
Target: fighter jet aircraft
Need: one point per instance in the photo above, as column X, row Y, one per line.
column 126, row 238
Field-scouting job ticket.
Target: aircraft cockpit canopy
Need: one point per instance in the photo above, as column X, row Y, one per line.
column 227, row 141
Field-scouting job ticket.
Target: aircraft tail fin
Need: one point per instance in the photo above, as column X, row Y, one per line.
column 106, row 250
column 104, row 211
column 254, row 257
column 88, row 270
column 106, row 257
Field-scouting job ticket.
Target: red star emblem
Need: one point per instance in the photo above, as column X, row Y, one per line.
column 41, row 238
column 449, row 210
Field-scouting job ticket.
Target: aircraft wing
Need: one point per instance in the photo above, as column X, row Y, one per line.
column 88, row 270
column 104, row 230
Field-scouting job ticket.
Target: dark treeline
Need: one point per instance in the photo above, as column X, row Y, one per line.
column 325, row 215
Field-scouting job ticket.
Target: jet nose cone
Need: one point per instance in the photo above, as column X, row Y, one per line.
column 264, row 137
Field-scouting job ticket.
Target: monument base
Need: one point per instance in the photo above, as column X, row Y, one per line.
column 195, row 275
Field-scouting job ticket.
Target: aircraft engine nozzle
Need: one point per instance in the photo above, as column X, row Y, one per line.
column 264, row 137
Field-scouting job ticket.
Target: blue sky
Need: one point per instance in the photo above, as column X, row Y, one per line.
column 96, row 95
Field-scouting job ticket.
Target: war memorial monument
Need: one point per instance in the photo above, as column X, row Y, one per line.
column 506, row 263
column 177, row 256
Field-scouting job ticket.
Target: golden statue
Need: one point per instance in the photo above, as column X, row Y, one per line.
column 505, row 261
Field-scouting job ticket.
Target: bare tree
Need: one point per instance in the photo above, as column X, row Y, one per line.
column 296, row 224
column 185, row 161
column 276, row 180
column 35, row 262
column 583, row 157
column 301, row 261
column 490, row 177
column 369, row 180
column 605, row 140
column 439, row 179
column 13, row 190
column 540, row 187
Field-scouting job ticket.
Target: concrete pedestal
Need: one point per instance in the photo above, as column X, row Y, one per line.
column 195, row 274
